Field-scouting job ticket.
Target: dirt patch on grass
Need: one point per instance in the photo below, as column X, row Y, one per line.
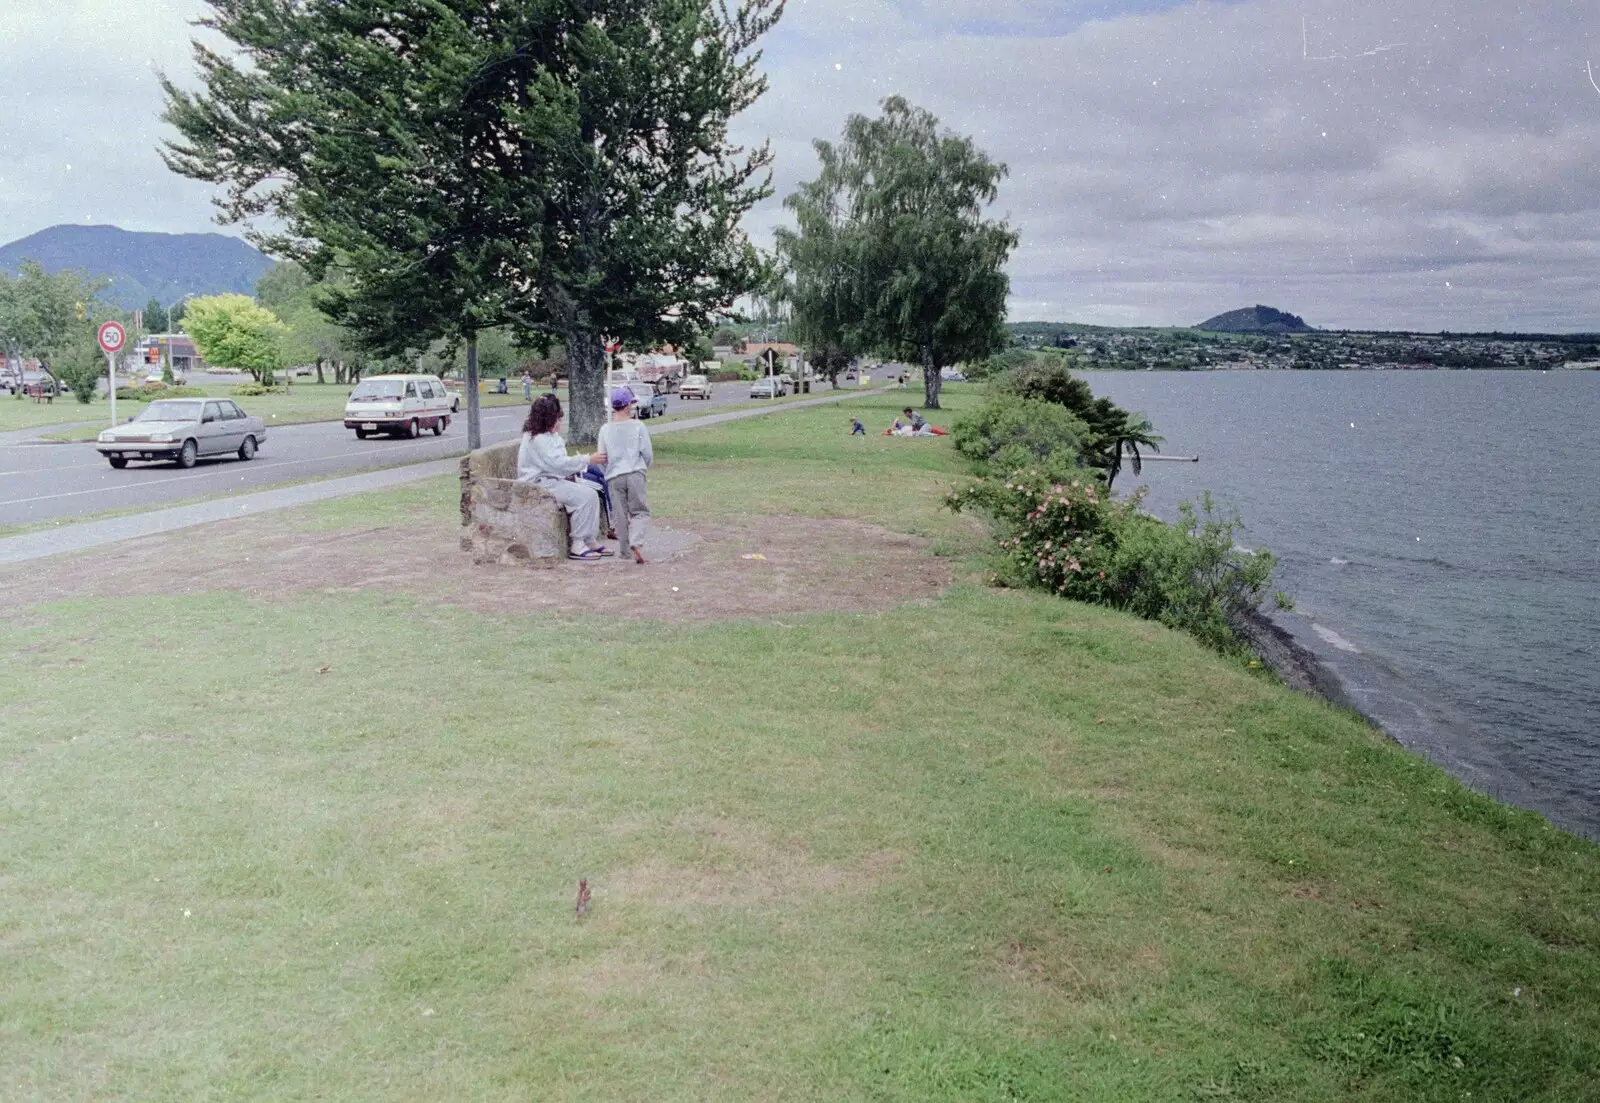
column 705, row 572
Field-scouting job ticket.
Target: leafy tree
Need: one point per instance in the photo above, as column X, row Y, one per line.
column 232, row 331
column 80, row 364
column 927, row 267
column 43, row 314
column 155, row 317
column 822, row 271
column 175, row 316
column 559, row 165
column 288, row 290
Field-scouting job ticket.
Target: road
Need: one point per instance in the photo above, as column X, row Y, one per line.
column 48, row 482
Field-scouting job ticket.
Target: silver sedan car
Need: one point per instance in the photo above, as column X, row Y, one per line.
column 184, row 429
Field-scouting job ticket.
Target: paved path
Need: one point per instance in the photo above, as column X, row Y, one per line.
column 94, row 534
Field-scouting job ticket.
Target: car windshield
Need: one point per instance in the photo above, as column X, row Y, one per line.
column 169, row 410
column 697, row 380
column 375, row 390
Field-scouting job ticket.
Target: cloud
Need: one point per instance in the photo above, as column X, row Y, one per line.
column 1368, row 163
column 1174, row 163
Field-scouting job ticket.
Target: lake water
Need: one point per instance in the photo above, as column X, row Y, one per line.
column 1446, row 524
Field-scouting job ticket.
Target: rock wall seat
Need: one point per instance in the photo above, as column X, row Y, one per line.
column 505, row 521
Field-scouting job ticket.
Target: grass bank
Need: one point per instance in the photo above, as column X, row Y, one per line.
column 995, row 846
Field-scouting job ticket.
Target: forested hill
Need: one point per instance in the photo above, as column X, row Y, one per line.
column 142, row 266
column 1255, row 319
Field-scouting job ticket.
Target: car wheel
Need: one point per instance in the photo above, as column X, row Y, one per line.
column 413, row 431
column 361, row 434
column 189, row 453
column 119, row 462
column 438, row 426
column 247, row 448
column 455, row 405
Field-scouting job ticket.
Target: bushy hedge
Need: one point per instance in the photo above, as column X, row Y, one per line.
column 1072, row 538
column 254, row 390
column 1009, row 432
column 147, row 392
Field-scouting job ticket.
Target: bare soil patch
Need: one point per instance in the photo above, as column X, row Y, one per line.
column 703, row 573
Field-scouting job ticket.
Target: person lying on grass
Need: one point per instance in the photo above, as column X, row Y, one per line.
column 543, row 461
column 626, row 443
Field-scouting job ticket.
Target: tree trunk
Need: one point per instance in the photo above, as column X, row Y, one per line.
column 930, row 379
column 320, row 379
column 474, row 430
column 586, row 384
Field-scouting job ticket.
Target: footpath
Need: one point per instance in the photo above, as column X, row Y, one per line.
column 83, row 536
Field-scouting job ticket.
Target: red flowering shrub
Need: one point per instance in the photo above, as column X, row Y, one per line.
column 1073, row 539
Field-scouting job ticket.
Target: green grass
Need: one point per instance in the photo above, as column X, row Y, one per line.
column 1000, row 847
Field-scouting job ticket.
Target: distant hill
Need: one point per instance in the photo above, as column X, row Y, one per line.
column 1255, row 319
column 141, row 267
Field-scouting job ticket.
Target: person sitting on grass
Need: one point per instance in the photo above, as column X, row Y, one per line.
column 543, row 461
column 626, row 443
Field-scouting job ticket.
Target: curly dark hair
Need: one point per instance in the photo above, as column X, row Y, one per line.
column 543, row 415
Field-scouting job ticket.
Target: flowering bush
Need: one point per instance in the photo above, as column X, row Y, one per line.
column 1072, row 538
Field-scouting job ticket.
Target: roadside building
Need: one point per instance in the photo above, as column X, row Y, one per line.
column 179, row 347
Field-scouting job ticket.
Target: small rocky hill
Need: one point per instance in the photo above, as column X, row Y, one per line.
column 1256, row 319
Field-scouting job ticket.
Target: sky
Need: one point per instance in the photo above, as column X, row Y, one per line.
column 1367, row 164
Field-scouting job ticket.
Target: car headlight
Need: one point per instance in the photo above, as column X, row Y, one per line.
column 105, row 435
column 162, row 438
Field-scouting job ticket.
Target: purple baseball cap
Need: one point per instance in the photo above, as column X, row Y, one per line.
column 622, row 398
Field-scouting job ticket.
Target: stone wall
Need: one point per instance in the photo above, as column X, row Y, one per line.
column 505, row 521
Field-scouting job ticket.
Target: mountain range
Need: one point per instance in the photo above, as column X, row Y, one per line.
column 142, row 266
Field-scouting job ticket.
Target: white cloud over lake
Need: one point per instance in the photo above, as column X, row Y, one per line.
column 1408, row 164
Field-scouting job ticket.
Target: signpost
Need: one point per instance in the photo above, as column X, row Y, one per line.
column 112, row 338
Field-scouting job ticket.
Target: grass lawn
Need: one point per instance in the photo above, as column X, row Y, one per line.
column 992, row 847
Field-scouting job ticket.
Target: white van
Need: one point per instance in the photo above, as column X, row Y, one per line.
column 403, row 404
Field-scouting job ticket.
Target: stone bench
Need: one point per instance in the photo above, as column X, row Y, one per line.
column 505, row 521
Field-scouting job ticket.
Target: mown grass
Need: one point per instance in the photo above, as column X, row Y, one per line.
column 997, row 847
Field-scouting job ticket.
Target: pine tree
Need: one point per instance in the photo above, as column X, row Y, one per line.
column 561, row 166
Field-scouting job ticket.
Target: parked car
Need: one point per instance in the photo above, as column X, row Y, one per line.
column 770, row 387
column 951, row 375
column 183, row 429
column 400, row 404
column 696, row 386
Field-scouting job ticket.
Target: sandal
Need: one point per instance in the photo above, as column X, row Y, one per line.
column 589, row 555
column 605, row 552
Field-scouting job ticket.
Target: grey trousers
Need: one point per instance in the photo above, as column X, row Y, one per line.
column 630, row 513
column 582, row 503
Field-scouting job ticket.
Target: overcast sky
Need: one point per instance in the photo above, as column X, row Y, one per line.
column 1407, row 164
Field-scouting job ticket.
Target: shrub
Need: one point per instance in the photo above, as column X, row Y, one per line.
column 1046, row 380
column 1008, row 432
column 254, row 390
column 1072, row 538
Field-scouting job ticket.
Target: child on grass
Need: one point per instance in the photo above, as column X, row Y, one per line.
column 626, row 443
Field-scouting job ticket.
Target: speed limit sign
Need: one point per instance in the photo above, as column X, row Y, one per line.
column 113, row 337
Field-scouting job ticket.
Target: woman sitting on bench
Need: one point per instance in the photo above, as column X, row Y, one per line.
column 543, row 461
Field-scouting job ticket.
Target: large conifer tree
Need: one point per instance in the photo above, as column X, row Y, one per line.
column 558, row 165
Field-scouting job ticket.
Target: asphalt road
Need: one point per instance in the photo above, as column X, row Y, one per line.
column 47, row 482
